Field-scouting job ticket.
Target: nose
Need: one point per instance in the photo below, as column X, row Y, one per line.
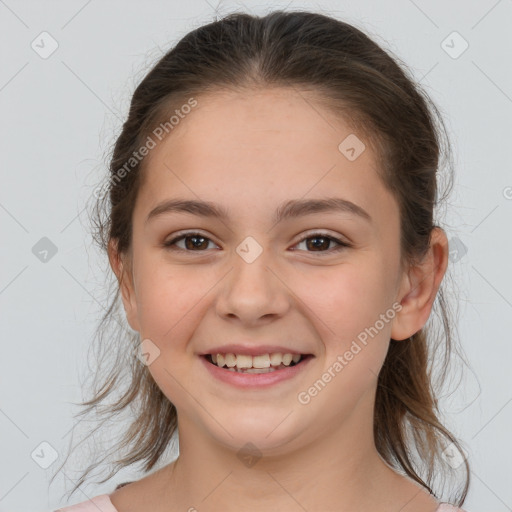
column 253, row 293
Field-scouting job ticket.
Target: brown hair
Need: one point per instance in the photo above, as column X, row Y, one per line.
column 356, row 78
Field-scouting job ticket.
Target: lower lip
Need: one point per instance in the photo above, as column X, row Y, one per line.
column 255, row 380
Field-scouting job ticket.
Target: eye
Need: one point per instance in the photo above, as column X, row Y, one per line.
column 322, row 241
column 192, row 241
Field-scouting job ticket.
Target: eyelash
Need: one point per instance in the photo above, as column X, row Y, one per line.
column 342, row 245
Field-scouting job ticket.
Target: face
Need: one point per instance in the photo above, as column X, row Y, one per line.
column 318, row 282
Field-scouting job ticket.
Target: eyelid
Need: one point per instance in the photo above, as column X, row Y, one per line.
column 342, row 243
column 310, row 233
column 180, row 235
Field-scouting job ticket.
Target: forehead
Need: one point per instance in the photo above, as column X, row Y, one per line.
column 261, row 118
column 261, row 146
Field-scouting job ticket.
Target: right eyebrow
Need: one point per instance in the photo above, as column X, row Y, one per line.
column 289, row 209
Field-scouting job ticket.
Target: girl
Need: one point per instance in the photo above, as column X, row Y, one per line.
column 271, row 228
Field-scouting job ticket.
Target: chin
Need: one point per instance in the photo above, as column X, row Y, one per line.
column 268, row 433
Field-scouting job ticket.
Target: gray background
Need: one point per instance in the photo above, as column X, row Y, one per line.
column 59, row 116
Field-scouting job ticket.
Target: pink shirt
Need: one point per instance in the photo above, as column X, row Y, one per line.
column 102, row 503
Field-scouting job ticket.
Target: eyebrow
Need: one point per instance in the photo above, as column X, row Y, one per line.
column 289, row 209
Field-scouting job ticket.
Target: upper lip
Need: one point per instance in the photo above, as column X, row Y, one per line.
column 251, row 350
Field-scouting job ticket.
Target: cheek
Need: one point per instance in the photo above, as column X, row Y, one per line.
column 168, row 300
column 349, row 298
column 348, row 305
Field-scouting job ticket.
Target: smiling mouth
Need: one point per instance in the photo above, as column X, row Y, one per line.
column 265, row 363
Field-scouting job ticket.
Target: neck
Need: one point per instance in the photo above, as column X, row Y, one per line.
column 340, row 469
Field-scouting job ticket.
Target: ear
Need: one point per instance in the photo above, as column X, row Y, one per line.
column 123, row 273
column 419, row 288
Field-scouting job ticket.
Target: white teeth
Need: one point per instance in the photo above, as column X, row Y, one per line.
column 260, row 362
column 287, row 359
column 276, row 359
column 259, row 370
column 230, row 360
column 243, row 361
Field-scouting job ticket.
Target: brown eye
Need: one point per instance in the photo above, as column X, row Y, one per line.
column 197, row 242
column 194, row 242
column 319, row 242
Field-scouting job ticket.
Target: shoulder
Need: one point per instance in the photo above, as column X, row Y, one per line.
column 143, row 494
column 446, row 507
column 101, row 502
column 136, row 496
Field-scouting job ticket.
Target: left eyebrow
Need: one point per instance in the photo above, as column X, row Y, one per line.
column 289, row 209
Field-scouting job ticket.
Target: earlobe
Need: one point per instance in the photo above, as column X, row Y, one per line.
column 420, row 286
column 114, row 258
column 125, row 285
